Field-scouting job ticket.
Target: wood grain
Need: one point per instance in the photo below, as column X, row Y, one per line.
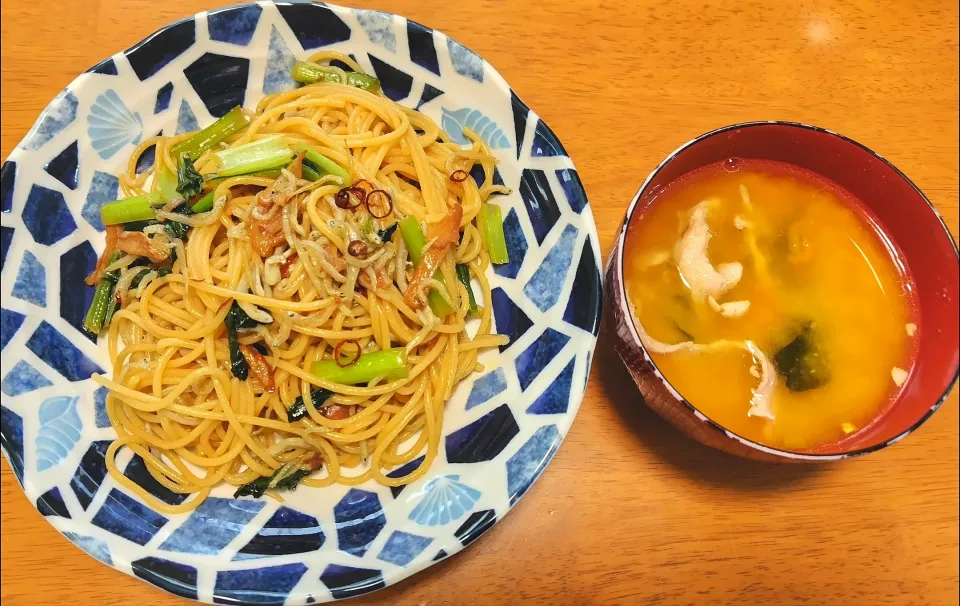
column 629, row 512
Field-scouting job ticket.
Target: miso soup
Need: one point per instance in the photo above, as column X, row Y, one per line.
column 769, row 298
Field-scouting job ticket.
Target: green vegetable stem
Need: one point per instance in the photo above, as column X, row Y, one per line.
column 415, row 241
column 490, row 222
column 311, row 73
column 389, row 363
column 94, row 321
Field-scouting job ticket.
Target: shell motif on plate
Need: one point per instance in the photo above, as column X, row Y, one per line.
column 447, row 499
column 454, row 121
column 111, row 125
column 60, row 429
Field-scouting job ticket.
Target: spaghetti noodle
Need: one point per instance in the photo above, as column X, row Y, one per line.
column 252, row 342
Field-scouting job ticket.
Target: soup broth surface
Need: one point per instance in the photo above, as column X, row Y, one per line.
column 821, row 294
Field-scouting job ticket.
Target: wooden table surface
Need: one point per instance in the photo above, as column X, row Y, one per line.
column 629, row 512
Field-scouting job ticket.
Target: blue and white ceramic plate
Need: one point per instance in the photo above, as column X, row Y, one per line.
column 501, row 428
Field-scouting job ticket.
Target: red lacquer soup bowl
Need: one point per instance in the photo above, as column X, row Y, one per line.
column 904, row 215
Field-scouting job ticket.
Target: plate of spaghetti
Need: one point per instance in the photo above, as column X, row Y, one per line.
column 297, row 300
